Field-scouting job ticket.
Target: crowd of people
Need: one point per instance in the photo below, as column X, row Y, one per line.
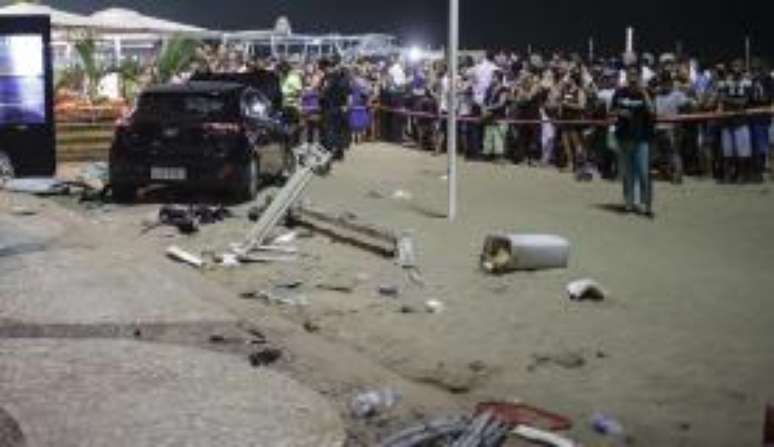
column 617, row 117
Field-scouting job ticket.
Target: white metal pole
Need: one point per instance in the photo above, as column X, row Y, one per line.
column 630, row 40
column 454, row 41
column 591, row 49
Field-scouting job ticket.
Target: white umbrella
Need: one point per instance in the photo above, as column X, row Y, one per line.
column 59, row 19
column 129, row 20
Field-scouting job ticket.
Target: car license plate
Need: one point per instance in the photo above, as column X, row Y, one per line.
column 168, row 173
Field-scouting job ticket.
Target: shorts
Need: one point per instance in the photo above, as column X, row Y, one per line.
column 737, row 142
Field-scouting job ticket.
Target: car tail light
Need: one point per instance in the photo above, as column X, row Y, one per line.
column 222, row 128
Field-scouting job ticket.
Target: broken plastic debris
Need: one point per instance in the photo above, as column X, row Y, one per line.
column 542, row 437
column 402, row 195
column 285, row 238
column 434, row 306
column 586, row 289
column 181, row 255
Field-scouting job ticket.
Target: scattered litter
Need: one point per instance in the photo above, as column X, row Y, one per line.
column 486, row 430
column 23, row 211
column 542, row 437
column 407, row 258
column 264, row 357
column 586, row 290
column 348, row 215
column 374, row 402
column 434, row 432
column 522, row 414
column 390, row 291
column 187, row 218
column 402, row 195
column 434, row 306
column 265, row 258
column 181, row 255
column 376, row 195
column 217, row 339
column 511, row 252
column 606, row 425
column 285, row 238
column 276, row 298
column 338, row 284
column 311, row 327
column 406, row 309
column 289, row 284
column 444, row 177
column 229, row 260
column 566, row 360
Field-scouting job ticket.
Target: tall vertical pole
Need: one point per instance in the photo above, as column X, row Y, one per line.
column 451, row 139
column 630, row 40
column 591, row 49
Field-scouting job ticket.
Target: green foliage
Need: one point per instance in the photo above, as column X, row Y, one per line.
column 176, row 56
column 93, row 70
column 70, row 78
column 130, row 72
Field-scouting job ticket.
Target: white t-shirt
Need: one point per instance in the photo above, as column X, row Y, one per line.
column 482, row 79
column 397, row 76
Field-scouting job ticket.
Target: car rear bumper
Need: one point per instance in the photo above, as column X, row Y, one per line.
column 212, row 174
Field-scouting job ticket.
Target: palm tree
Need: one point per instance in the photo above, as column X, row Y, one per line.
column 93, row 70
column 177, row 55
column 130, row 72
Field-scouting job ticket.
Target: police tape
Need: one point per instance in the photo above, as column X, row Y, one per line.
column 677, row 119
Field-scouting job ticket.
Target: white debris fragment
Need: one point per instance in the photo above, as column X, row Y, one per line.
column 178, row 254
column 586, row 289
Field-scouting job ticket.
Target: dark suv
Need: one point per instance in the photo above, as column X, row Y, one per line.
column 204, row 135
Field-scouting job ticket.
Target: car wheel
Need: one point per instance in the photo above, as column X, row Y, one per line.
column 124, row 193
column 6, row 168
column 248, row 188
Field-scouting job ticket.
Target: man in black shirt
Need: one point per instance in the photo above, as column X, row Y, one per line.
column 735, row 96
column 334, row 99
column 634, row 111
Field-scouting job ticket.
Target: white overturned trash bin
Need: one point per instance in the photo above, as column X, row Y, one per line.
column 512, row 252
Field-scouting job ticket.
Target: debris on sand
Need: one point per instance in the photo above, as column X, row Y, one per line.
column 586, row 290
column 504, row 253
column 311, row 327
column 338, row 283
column 23, row 211
column 402, row 195
column 373, row 402
column 265, row 357
column 566, row 360
column 542, row 437
column 178, row 254
column 522, row 414
column 390, row 291
column 434, row 306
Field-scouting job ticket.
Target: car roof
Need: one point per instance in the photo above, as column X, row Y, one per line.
column 196, row 87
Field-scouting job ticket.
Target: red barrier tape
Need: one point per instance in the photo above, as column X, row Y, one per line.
column 687, row 118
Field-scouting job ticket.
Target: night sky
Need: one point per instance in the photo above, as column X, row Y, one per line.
column 705, row 27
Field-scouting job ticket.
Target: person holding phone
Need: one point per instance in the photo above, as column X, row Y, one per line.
column 633, row 110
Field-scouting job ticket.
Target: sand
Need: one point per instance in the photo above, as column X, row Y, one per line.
column 681, row 352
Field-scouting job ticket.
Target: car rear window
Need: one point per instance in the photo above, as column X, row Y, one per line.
column 187, row 106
